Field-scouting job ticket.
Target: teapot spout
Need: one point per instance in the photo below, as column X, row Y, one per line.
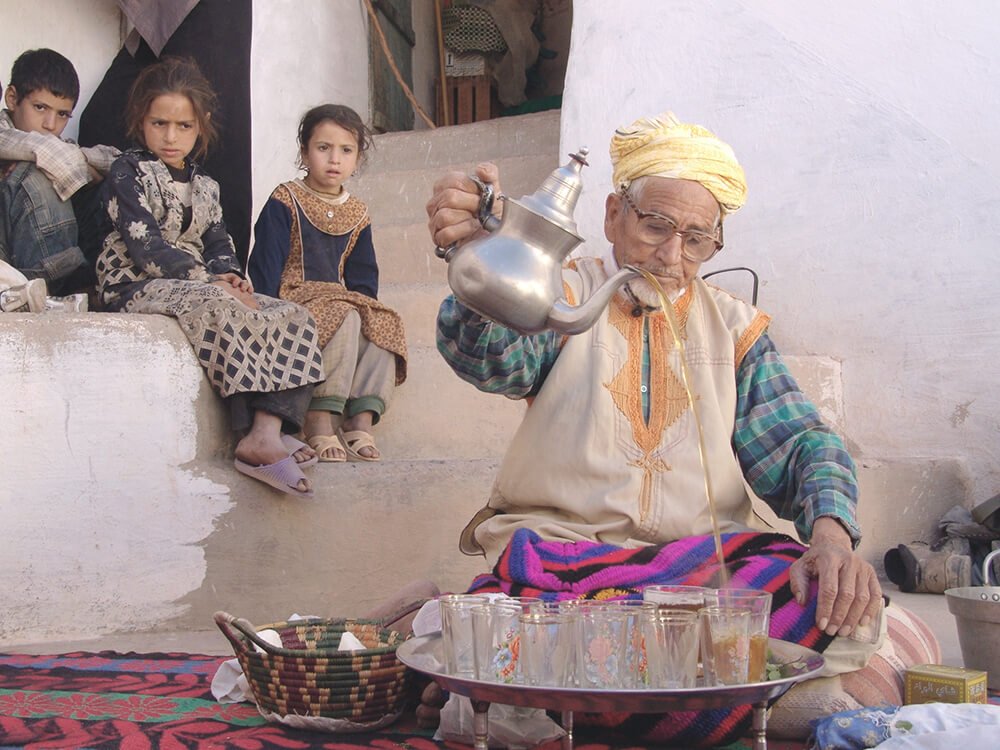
column 569, row 320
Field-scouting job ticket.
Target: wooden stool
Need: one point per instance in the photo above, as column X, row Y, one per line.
column 470, row 99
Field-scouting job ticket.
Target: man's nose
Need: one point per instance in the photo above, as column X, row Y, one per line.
column 670, row 250
column 50, row 122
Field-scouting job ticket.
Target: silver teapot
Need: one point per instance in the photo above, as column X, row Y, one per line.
column 514, row 274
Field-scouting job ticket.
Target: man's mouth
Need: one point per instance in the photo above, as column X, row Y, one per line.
column 663, row 273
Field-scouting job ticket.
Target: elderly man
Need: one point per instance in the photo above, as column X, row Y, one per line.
column 608, row 458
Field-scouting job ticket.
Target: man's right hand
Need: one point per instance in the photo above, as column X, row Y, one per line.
column 452, row 209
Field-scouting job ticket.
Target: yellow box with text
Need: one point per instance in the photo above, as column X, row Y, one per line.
column 936, row 683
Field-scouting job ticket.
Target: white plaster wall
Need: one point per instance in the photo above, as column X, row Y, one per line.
column 102, row 507
column 868, row 135
column 88, row 32
column 304, row 53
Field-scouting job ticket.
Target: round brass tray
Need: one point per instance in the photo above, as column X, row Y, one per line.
column 424, row 655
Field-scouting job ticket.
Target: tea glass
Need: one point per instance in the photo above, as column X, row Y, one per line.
column 725, row 645
column 456, row 632
column 635, row 654
column 497, row 634
column 602, row 642
column 671, row 638
column 547, row 646
column 759, row 604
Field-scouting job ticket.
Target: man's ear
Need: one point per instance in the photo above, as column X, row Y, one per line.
column 10, row 97
column 613, row 210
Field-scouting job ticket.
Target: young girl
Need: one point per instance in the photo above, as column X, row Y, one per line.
column 313, row 245
column 167, row 252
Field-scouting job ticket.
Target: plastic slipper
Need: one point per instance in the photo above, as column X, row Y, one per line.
column 322, row 443
column 283, row 475
column 293, row 445
column 355, row 440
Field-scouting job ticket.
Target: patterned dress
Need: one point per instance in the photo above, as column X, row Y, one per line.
column 165, row 245
column 318, row 251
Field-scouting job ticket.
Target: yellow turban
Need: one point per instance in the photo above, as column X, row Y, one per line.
column 663, row 147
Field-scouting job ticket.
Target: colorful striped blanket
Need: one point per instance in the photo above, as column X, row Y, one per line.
column 556, row 571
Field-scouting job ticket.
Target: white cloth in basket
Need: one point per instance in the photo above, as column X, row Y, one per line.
column 229, row 685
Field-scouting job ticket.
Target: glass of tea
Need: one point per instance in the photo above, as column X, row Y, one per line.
column 725, row 645
column 759, row 605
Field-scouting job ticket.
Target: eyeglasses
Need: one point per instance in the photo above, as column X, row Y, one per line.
column 656, row 229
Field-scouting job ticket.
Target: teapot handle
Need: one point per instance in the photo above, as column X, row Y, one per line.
column 489, row 222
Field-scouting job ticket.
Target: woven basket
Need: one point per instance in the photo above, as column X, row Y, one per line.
column 308, row 683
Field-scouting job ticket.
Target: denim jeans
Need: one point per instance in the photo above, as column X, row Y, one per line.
column 38, row 232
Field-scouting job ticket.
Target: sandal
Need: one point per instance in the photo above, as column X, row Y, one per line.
column 283, row 475
column 294, row 446
column 355, row 440
column 323, row 443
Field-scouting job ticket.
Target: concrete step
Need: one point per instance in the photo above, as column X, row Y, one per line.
column 400, row 196
column 465, row 144
column 406, row 254
column 370, row 529
column 418, row 305
column 435, row 415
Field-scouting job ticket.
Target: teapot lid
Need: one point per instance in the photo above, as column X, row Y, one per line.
column 556, row 199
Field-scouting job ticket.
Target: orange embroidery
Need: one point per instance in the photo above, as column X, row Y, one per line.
column 753, row 332
column 667, row 397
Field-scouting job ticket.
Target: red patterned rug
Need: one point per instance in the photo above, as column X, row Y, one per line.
column 137, row 701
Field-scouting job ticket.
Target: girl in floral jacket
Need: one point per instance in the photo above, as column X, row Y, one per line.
column 167, row 252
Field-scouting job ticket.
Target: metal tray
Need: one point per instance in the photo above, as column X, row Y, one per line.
column 424, row 655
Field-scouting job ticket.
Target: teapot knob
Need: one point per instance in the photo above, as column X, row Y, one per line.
column 556, row 199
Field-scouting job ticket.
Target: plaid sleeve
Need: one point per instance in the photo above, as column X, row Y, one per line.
column 100, row 157
column 493, row 358
column 791, row 460
column 62, row 161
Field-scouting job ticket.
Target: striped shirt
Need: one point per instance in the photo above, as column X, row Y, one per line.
column 789, row 457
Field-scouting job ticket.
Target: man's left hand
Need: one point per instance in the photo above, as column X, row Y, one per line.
column 849, row 591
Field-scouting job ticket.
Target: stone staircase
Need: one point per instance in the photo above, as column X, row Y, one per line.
column 434, row 414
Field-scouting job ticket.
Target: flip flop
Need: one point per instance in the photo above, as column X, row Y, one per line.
column 283, row 475
column 355, row 440
column 322, row 443
column 292, row 444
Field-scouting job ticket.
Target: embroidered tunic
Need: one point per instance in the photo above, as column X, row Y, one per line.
column 166, row 242
column 317, row 251
column 631, row 473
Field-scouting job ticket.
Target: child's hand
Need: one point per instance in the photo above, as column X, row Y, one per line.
column 237, row 281
column 239, row 287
